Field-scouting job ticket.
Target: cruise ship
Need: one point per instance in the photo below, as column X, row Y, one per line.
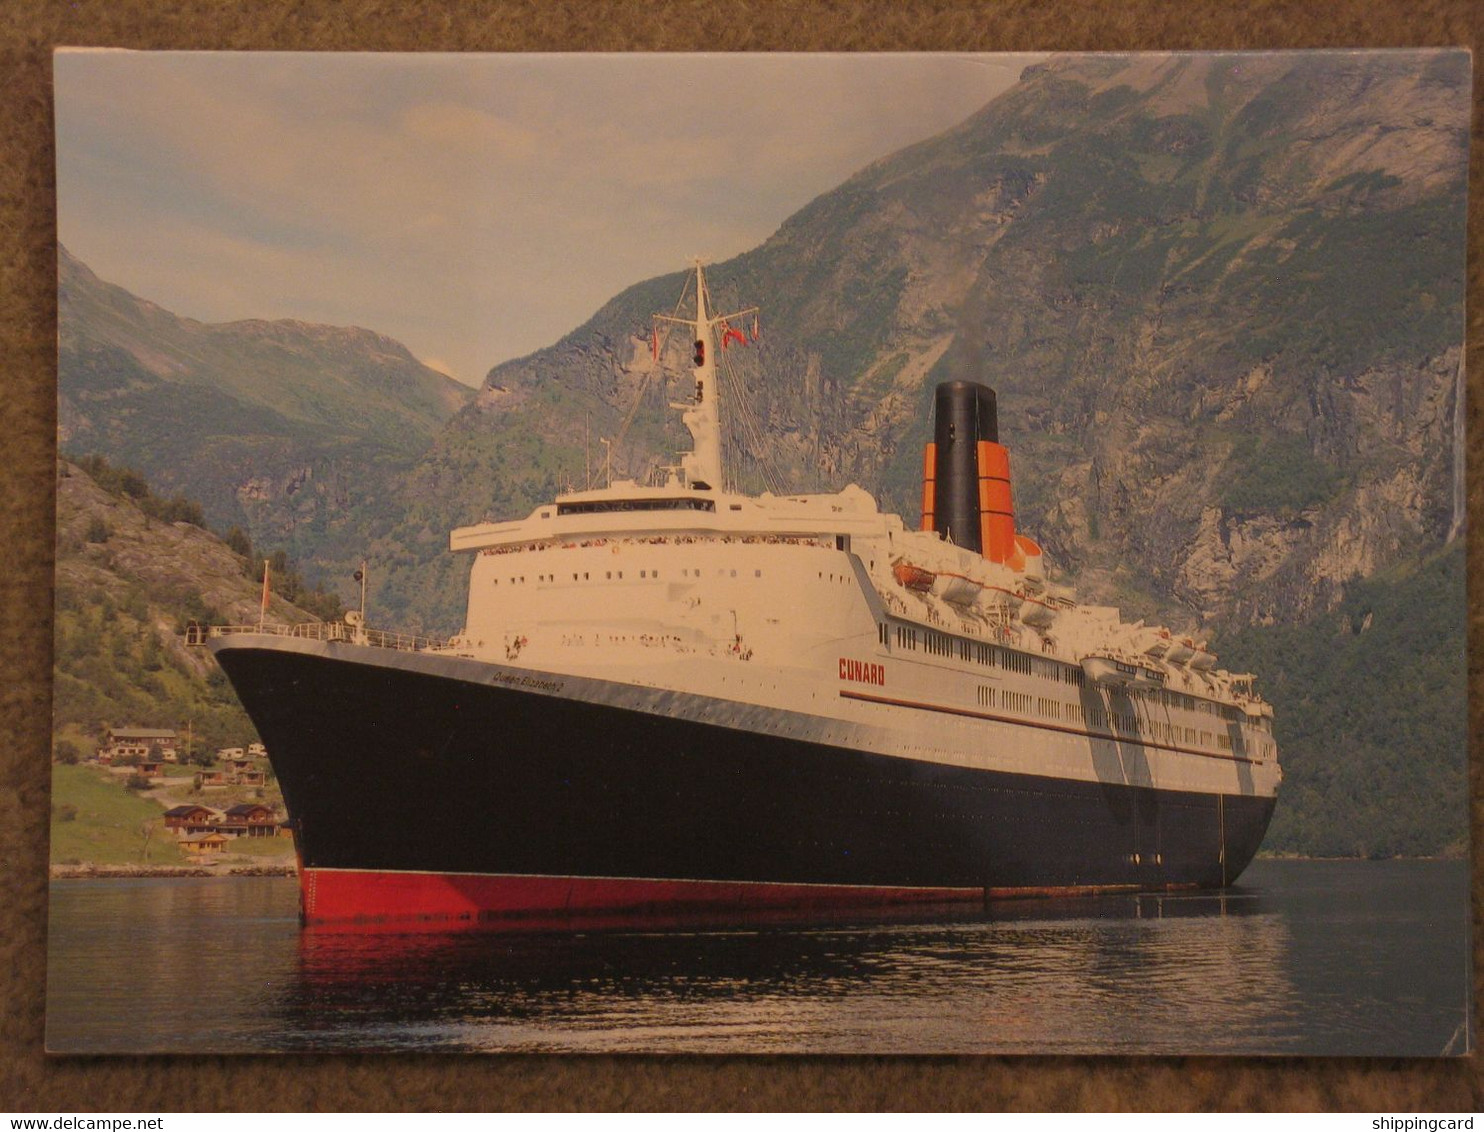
column 675, row 698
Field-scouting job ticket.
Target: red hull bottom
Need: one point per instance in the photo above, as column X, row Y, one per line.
column 403, row 901
column 448, row 900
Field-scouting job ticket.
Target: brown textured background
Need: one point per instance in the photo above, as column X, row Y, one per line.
column 29, row 1081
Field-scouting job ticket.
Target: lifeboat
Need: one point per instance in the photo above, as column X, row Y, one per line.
column 1181, row 650
column 955, row 588
column 1203, row 660
column 1037, row 613
column 1155, row 642
column 913, row 577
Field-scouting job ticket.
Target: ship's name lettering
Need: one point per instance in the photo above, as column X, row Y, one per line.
column 861, row 672
column 526, row 682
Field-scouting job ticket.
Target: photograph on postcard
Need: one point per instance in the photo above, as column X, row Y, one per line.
column 736, row 553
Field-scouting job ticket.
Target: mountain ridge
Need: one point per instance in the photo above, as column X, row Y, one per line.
column 1244, row 254
column 280, row 426
column 1221, row 304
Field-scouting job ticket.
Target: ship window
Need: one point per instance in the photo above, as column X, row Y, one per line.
column 757, row 573
column 734, row 573
column 597, row 506
column 643, row 573
column 736, row 506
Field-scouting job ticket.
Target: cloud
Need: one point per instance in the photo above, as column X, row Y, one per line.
column 476, row 207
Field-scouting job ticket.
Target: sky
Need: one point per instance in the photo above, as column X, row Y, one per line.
column 474, row 207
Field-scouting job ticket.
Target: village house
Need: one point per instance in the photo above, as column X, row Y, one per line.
column 199, row 846
column 242, row 772
column 193, row 818
column 211, row 780
column 135, row 742
column 250, row 819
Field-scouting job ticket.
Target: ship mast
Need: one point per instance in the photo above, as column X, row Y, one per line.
column 701, row 466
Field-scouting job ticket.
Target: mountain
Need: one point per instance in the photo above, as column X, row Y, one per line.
column 127, row 584
column 1371, row 703
column 286, row 428
column 1220, row 298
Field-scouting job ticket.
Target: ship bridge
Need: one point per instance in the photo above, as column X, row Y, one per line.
column 627, row 509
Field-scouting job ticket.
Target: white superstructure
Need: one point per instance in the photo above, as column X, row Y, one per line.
column 823, row 618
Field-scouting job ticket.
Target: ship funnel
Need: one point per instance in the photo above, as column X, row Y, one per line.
column 966, row 473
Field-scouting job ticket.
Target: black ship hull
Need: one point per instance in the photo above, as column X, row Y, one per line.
column 420, row 796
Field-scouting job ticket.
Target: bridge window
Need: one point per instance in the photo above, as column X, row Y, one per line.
column 602, row 506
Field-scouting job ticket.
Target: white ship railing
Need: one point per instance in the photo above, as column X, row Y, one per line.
column 320, row 631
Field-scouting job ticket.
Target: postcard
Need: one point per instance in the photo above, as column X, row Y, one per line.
column 906, row 553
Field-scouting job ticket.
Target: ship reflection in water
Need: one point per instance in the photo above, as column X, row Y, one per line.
column 1025, row 975
column 1304, row 957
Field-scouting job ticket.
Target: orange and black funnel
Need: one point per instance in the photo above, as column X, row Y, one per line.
column 966, row 473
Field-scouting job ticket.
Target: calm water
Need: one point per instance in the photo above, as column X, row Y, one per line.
column 1304, row 957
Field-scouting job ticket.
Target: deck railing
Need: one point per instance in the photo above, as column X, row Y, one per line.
column 320, row 631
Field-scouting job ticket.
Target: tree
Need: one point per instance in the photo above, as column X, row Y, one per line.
column 236, row 538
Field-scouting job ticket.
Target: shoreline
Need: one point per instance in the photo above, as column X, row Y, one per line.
column 99, row 872
column 96, row 872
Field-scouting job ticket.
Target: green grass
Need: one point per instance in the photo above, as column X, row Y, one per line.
column 109, row 823
column 268, row 849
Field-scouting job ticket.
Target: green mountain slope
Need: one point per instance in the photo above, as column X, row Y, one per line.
column 285, row 428
column 1221, row 300
column 127, row 584
column 1372, row 715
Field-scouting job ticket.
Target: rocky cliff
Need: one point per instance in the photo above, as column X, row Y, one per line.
column 1220, row 298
